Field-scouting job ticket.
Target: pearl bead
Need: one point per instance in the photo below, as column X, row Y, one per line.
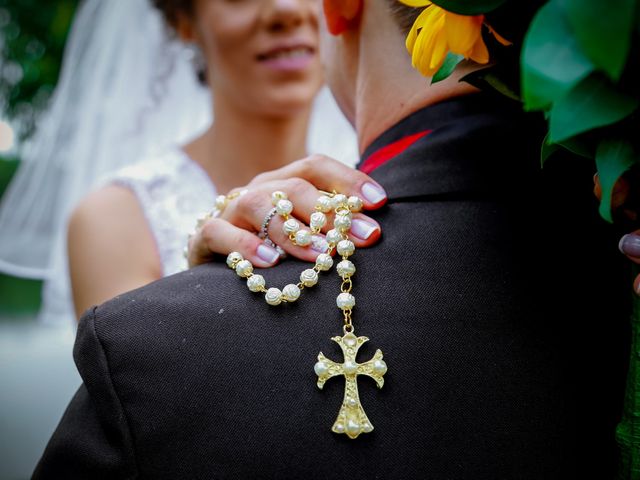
column 303, row 238
column 380, row 367
column 255, row 283
column 290, row 226
column 277, row 196
column 355, row 203
column 309, row 277
column 333, row 236
column 318, row 220
column 324, row 204
column 353, row 427
column 233, row 258
column 350, row 367
column 324, row 262
column 273, row 296
column 346, row 248
column 352, row 402
column 284, row 207
column 345, row 301
column 350, row 340
column 345, row 269
column 221, row 202
column 339, row 428
column 291, row 293
column 339, row 200
column 367, row 427
column 320, row 368
column 244, row 268
column 342, row 222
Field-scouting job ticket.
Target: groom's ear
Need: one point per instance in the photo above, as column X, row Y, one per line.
column 341, row 13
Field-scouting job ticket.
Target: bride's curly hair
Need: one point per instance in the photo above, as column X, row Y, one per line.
column 171, row 9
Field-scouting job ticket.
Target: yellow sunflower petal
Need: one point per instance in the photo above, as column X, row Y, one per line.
column 462, row 32
column 499, row 37
column 415, row 3
column 413, row 33
column 440, row 50
column 429, row 38
column 480, row 54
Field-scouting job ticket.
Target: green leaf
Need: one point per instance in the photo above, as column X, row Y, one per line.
column 450, row 63
column 494, row 77
column 574, row 145
column 603, row 31
column 613, row 158
column 590, row 104
column 547, row 149
column 469, row 7
column 551, row 61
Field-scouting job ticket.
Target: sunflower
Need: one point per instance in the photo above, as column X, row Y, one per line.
column 436, row 32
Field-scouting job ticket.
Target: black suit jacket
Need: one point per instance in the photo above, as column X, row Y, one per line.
column 504, row 341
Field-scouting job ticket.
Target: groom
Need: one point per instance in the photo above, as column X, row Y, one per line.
column 495, row 330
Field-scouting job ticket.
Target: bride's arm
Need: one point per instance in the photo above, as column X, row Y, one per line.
column 111, row 248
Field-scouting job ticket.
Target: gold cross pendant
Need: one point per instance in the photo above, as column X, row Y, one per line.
column 351, row 419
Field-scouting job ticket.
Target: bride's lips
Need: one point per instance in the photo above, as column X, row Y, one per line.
column 287, row 57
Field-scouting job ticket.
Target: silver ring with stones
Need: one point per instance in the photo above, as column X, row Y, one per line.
column 263, row 234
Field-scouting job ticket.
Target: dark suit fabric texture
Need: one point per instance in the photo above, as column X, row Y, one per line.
column 497, row 296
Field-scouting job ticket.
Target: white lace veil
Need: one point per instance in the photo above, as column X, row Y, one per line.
column 126, row 90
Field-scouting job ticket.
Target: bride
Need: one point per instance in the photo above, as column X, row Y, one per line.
column 133, row 229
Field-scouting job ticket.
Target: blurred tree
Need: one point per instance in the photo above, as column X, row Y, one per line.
column 32, row 37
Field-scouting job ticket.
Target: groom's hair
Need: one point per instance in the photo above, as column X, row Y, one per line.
column 404, row 15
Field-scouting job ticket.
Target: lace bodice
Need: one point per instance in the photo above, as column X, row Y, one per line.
column 173, row 192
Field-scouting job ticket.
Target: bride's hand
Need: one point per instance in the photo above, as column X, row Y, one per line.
column 236, row 228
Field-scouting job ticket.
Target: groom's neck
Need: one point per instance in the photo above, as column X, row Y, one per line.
column 387, row 87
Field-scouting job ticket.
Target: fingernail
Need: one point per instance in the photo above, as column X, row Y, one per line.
column 362, row 229
column 373, row 193
column 630, row 245
column 319, row 244
column 268, row 254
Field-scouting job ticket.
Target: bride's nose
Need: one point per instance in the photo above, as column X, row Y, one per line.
column 283, row 15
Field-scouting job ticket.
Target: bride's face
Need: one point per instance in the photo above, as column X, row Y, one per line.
column 262, row 55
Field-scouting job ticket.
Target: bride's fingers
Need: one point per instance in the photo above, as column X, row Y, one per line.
column 253, row 206
column 328, row 174
column 221, row 237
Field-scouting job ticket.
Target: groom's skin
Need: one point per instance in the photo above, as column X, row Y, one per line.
column 369, row 70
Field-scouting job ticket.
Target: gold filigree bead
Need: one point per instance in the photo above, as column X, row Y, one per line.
column 303, row 238
column 334, row 236
column 244, row 268
column 291, row 226
column 342, row 223
column 346, row 248
column 256, row 283
column 324, row 262
column 273, row 296
column 277, row 196
column 318, row 220
column 346, row 301
column 345, row 269
column 291, row 293
column 221, row 202
column 355, row 204
column 233, row 258
column 339, row 200
column 309, row 277
column 324, row 204
column 284, row 207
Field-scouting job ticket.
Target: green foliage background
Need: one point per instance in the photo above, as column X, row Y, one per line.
column 33, row 34
column 32, row 38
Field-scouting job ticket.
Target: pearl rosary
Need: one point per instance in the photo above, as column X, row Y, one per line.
column 351, row 420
